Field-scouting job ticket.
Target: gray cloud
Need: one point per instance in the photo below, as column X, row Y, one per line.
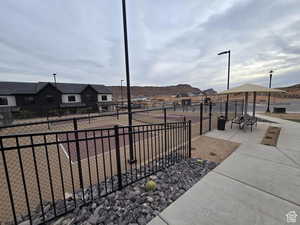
column 170, row 42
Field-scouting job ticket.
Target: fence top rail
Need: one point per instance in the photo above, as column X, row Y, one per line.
column 85, row 137
column 80, row 118
column 33, row 134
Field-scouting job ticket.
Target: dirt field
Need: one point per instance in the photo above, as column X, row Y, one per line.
column 212, row 149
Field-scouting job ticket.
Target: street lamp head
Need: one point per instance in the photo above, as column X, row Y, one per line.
column 271, row 71
column 225, row 52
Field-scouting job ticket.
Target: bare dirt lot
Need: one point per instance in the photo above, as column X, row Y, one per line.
column 212, row 149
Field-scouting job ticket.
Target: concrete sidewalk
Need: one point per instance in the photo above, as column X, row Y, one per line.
column 257, row 184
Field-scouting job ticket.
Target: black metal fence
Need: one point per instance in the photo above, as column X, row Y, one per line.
column 49, row 174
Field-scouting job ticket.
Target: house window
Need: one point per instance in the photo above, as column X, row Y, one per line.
column 104, row 98
column 3, row 101
column 49, row 98
column 29, row 100
column 71, row 98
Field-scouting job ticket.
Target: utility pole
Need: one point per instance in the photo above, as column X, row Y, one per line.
column 131, row 156
column 228, row 76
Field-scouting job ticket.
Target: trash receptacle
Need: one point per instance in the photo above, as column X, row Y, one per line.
column 221, row 123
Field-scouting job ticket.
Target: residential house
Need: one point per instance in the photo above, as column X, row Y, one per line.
column 43, row 97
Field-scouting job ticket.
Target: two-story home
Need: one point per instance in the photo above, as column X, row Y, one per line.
column 43, row 96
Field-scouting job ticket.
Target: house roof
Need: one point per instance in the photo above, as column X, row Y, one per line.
column 101, row 89
column 11, row 88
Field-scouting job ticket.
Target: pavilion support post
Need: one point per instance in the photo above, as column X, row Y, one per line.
column 246, row 102
column 254, row 103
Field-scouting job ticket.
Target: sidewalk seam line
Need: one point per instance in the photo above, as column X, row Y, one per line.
column 287, row 156
column 252, row 156
column 256, row 188
column 165, row 221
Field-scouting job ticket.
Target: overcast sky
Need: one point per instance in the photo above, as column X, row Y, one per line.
column 170, row 42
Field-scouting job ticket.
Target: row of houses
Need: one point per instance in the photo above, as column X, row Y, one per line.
column 43, row 97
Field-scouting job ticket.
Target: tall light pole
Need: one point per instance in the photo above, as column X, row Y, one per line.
column 54, row 77
column 122, row 93
column 131, row 156
column 228, row 75
column 269, row 94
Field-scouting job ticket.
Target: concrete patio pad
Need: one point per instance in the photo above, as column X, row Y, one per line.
column 220, row 200
column 269, row 153
column 256, row 184
column 277, row 179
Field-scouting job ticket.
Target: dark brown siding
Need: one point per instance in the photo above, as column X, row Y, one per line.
column 89, row 97
column 23, row 102
column 42, row 99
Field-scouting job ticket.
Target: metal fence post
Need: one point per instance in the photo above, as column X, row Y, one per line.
column 201, row 118
column 117, row 112
column 165, row 133
column 210, row 108
column 190, row 138
column 165, row 116
column 12, row 203
column 78, row 153
column 118, row 157
column 235, row 109
column 242, row 106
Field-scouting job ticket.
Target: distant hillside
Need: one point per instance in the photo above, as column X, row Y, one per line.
column 293, row 91
column 149, row 91
column 210, row 91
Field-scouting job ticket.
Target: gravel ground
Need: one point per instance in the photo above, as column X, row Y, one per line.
column 133, row 204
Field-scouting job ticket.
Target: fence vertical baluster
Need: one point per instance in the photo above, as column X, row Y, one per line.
column 110, row 160
column 37, row 176
column 77, row 148
column 159, row 146
column 144, row 150
column 148, row 152
column 190, row 138
column 89, row 164
column 118, row 157
column 125, row 157
column 210, row 108
column 8, row 182
column 71, row 169
column 134, row 149
column 61, row 173
column 155, row 144
column 140, row 156
column 96, row 160
column 151, row 143
column 173, row 143
column 177, row 138
column 201, row 118
column 50, row 175
column 104, row 163
column 184, row 140
column 23, row 179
